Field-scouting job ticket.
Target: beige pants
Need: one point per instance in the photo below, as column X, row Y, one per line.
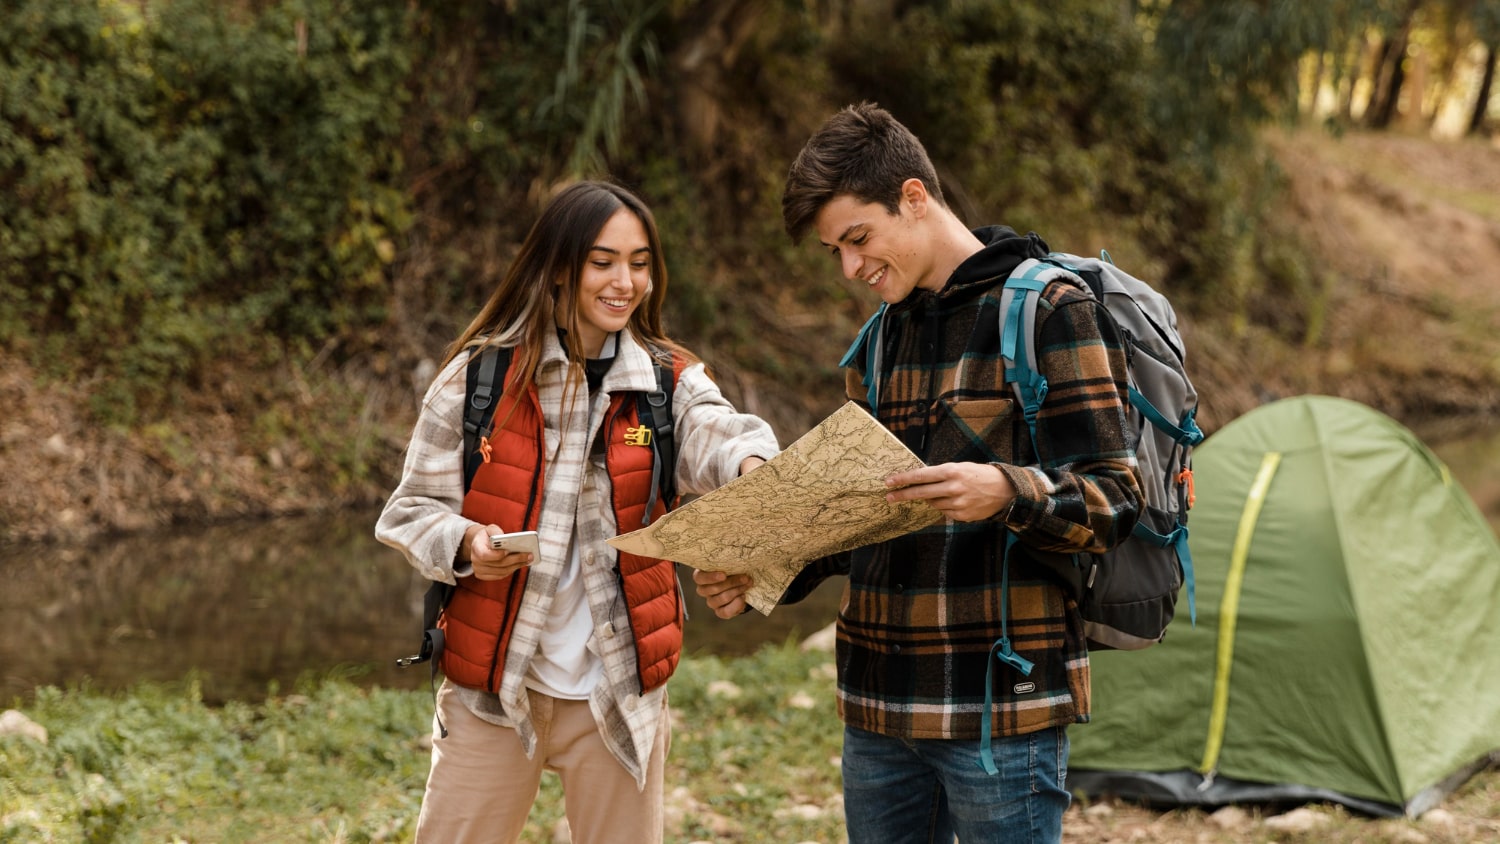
column 481, row 786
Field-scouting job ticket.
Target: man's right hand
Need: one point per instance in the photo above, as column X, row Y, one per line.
column 724, row 593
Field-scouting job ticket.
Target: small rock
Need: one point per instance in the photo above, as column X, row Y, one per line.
column 801, row 811
column 723, row 689
column 13, row 722
column 1402, row 834
column 802, row 700
column 1297, row 820
column 1440, row 818
column 824, row 640
column 1098, row 811
column 1230, row 818
column 56, row 447
column 722, row 827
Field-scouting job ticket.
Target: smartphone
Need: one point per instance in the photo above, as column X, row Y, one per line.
column 524, row 542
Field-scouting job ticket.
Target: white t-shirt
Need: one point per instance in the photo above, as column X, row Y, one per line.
column 564, row 666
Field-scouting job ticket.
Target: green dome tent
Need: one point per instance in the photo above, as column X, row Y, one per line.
column 1348, row 639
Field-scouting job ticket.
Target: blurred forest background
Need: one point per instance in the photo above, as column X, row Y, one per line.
column 235, row 234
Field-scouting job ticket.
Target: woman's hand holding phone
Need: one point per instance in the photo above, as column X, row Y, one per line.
column 497, row 555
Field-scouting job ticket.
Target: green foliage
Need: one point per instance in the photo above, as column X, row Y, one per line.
column 1051, row 117
column 336, row 762
column 752, row 739
column 185, row 183
column 548, row 91
column 1485, row 16
column 176, row 179
column 157, row 763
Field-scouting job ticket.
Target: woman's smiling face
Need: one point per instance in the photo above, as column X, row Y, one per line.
column 614, row 280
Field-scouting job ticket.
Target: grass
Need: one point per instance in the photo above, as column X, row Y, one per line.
column 754, row 758
column 335, row 762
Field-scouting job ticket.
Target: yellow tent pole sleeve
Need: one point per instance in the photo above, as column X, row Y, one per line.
column 1229, row 607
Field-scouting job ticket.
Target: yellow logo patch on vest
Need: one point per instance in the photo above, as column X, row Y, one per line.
column 638, row 435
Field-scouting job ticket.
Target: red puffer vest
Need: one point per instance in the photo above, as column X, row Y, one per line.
column 507, row 491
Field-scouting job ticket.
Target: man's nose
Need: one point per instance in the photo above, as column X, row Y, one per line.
column 852, row 264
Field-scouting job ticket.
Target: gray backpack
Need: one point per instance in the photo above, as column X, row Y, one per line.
column 1127, row 595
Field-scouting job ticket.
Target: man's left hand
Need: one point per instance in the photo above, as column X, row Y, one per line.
column 963, row 492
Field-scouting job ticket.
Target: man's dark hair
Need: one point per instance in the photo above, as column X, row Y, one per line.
column 861, row 151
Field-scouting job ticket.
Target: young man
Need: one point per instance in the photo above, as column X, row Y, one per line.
column 939, row 627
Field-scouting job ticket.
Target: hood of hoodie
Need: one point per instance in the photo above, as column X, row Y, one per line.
column 1002, row 252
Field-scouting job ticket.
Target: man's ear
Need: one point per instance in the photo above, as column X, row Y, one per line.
column 914, row 197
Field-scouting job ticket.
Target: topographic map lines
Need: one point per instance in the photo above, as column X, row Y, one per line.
column 824, row 494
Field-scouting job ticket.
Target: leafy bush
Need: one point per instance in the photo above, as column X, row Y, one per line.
column 182, row 183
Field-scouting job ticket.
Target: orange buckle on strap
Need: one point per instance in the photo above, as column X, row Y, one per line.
column 1186, row 476
column 639, row 435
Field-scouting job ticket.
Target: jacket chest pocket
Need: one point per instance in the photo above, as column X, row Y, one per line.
column 974, row 431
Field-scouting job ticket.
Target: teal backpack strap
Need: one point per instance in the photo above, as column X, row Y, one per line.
column 1003, row 652
column 1178, row 539
column 1018, row 348
column 868, row 341
column 1018, row 337
column 1185, row 433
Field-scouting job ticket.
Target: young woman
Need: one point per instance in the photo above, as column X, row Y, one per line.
column 559, row 660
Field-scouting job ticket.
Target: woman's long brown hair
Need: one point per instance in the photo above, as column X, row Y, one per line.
column 523, row 308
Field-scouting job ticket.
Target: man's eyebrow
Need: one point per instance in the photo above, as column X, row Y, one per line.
column 845, row 236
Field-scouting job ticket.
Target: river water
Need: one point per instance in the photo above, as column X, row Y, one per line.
column 254, row 606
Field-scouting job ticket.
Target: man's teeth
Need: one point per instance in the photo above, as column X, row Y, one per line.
column 875, row 279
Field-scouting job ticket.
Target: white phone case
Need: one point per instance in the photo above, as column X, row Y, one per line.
column 525, row 541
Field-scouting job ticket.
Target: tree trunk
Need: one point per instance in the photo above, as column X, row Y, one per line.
column 1389, row 75
column 712, row 35
column 1486, row 83
column 1388, row 90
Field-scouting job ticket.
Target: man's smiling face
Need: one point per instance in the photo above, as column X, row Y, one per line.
column 882, row 250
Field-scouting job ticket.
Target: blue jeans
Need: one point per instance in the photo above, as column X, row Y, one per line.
column 923, row 791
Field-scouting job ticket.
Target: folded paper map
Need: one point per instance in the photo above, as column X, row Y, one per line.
column 824, row 494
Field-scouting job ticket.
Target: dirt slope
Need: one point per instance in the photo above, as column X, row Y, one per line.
column 1408, row 324
column 1410, row 231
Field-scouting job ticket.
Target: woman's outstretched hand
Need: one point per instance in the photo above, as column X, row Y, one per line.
column 724, row 593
